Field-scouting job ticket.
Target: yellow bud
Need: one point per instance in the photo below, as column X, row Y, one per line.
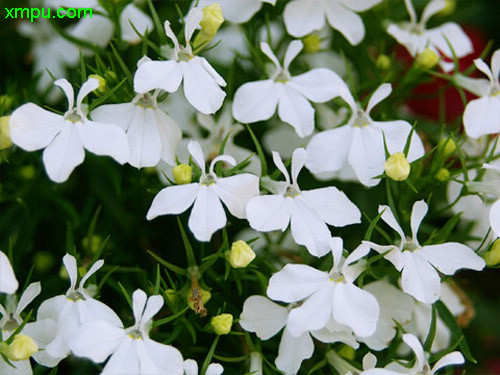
column 448, row 146
column 492, row 257
column 5, row 141
column 205, row 297
column 442, row 175
column 449, row 8
column 397, row 167
column 312, row 43
column 183, row 174
column 221, row 324
column 102, row 84
column 210, row 23
column 427, row 59
column 347, row 352
column 241, row 254
column 27, row 172
column 22, row 348
column 383, row 62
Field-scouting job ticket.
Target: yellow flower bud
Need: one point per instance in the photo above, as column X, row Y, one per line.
column 448, row 9
column 347, row 352
column 427, row 59
column 241, row 254
column 210, row 23
column 102, row 84
column 312, row 43
column 492, row 257
column 221, row 324
column 383, row 62
column 183, row 174
column 447, row 146
column 397, row 167
column 442, row 175
column 5, row 141
column 22, row 348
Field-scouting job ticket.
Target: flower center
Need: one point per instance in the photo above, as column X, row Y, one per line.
column 291, row 192
column 145, row 101
column 361, row 119
column 76, row 296
column 135, row 334
column 282, row 77
column 417, row 29
column 410, row 246
column 184, row 55
column 208, row 180
column 11, row 324
column 73, row 116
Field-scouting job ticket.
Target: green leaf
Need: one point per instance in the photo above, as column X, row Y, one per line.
column 432, row 331
column 171, row 267
column 260, row 153
column 209, row 356
column 189, row 249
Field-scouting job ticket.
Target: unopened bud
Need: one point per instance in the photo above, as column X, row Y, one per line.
column 102, row 88
column 5, row 141
column 427, row 59
column 442, row 175
column 210, row 24
column 221, row 324
column 447, row 146
column 492, row 257
column 448, row 8
column 22, row 348
column 347, row 352
column 312, row 43
column 170, row 295
column 241, row 254
column 397, row 167
column 28, row 172
column 183, row 174
column 383, row 62
column 6, row 102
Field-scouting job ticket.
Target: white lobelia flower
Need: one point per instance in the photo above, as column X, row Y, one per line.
column 191, row 368
column 201, row 81
column 327, row 295
column 65, row 138
column 266, row 319
column 420, row 264
column 8, row 281
column 414, row 36
column 309, row 211
column 152, row 134
column 257, row 101
column 421, row 366
column 131, row 350
column 360, row 143
column 59, row 318
column 303, row 16
column 237, row 11
column 208, row 214
column 482, row 115
column 490, row 186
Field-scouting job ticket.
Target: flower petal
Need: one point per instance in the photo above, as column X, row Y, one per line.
column 160, row 357
column 366, row 155
column 450, row 33
column 327, row 151
column 269, row 212
column 433, row 7
column 165, row 75
column 295, row 109
column 382, row 92
column 389, row 219
column 454, row 358
column 170, row 135
column 153, row 306
column 318, row 85
column 303, row 16
column 396, row 134
column 29, row 294
column 291, row 53
column 214, row 369
column 482, row 116
column 452, row 256
column 104, row 139
column 236, row 191
column 345, row 21
column 418, row 213
column 207, row 215
column 360, row 5
column 141, row 21
column 495, row 218
column 173, row 200
column 417, row 348
column 121, row 114
column 419, row 278
column 255, row 101
column 262, row 316
column 292, row 351
column 8, row 281
column 125, row 360
column 143, row 139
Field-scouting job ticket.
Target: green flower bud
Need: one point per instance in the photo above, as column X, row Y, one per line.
column 27, row 172
column 22, row 348
column 210, row 24
column 221, row 324
column 492, row 257
column 448, row 9
column 102, row 84
column 447, row 146
column 183, row 174
column 5, row 141
column 397, row 167
column 442, row 175
column 6, row 102
column 427, row 59
column 383, row 62
column 312, row 43
column 241, row 254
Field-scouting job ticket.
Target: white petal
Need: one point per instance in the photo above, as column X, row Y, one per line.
column 98, row 29
column 139, row 299
column 433, row 7
column 236, row 191
column 355, row 308
column 270, row 54
column 68, row 91
column 255, row 101
column 382, row 92
column 477, row 86
column 396, row 134
column 190, row 365
column 95, row 267
column 294, row 109
column 8, row 281
column 200, row 88
column 419, row 278
column 388, row 217
column 88, row 86
column 104, row 139
column 165, row 75
column 153, row 306
column 173, row 200
column 332, row 205
column 279, row 164
column 291, row 53
column 327, row 151
column 160, row 359
column 33, row 128
column 207, row 215
column 124, row 360
column 197, row 154
column 495, row 218
column 43, row 332
column 318, row 85
column 299, row 157
column 119, row 114
column 351, row 273
column 29, row 294
column 295, row 282
column 143, row 139
column 314, row 312
column 213, row 73
column 366, row 155
column 142, row 23
column 414, row 43
column 393, row 255
column 239, row 12
column 192, row 22
column 416, row 346
column 482, row 116
column 214, row 369
column 69, row 262
column 92, row 309
column 454, row 358
column 262, row 316
column 292, row 351
column 360, row 5
column 481, row 65
column 303, row 16
column 228, row 159
column 170, row 135
column 452, row 33
column 418, row 213
column 269, row 212
column 345, row 21
column 495, row 64
column 452, row 256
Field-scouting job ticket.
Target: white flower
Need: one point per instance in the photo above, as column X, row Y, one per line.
column 65, row 137
column 208, row 214
column 416, row 38
column 360, row 143
column 303, row 16
column 421, row 366
column 257, row 101
column 266, row 319
column 131, row 350
column 201, row 81
column 191, row 368
column 419, row 264
column 482, row 115
column 490, row 186
column 58, row 318
column 8, row 281
column 309, row 211
column 152, row 134
column 237, row 11
column 328, row 295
